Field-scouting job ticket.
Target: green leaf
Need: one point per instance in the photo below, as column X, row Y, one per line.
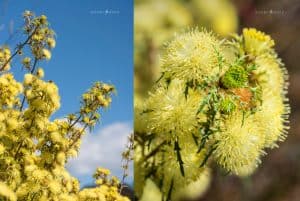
column 204, row 102
column 213, row 148
column 170, row 190
column 179, row 158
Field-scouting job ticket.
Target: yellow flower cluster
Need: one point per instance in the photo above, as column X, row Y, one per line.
column 35, row 149
column 97, row 96
column 6, row 192
column 191, row 56
column 40, row 94
column 42, row 37
column 107, row 188
column 268, row 124
column 5, row 55
column 9, row 90
column 216, row 101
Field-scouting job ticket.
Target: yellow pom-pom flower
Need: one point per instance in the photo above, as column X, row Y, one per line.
column 9, row 89
column 40, row 73
column 6, row 193
column 170, row 111
column 51, row 42
column 2, row 149
column 239, row 145
column 5, row 55
column 257, row 42
column 192, row 56
column 26, row 62
column 46, row 54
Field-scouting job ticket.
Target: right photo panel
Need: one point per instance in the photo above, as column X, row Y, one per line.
column 216, row 100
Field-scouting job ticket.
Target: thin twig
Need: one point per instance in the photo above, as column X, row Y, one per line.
column 127, row 159
column 20, row 47
column 32, row 71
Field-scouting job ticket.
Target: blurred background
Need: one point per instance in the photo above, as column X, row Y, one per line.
column 155, row 21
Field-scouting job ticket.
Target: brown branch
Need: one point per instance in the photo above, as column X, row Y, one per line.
column 127, row 159
column 78, row 136
column 20, row 47
column 154, row 151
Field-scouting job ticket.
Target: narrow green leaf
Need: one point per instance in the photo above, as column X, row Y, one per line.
column 179, row 158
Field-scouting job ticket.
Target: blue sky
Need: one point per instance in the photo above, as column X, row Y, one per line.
column 94, row 43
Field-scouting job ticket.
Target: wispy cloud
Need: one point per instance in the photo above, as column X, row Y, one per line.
column 101, row 148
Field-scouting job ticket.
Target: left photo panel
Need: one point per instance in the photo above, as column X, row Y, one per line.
column 66, row 100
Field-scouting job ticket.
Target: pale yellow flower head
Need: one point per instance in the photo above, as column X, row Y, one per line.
column 270, row 74
column 272, row 118
column 170, row 111
column 191, row 56
column 273, row 113
column 257, row 42
column 239, row 145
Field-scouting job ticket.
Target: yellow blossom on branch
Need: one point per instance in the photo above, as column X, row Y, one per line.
column 34, row 147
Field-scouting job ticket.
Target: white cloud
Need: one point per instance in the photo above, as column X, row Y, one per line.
column 101, row 148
